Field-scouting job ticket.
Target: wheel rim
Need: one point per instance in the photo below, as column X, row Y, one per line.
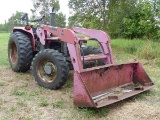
column 46, row 70
column 13, row 53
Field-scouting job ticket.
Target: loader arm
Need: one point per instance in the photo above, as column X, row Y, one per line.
column 101, row 85
column 71, row 38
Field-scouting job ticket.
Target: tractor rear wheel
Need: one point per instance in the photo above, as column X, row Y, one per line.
column 92, row 50
column 20, row 52
column 50, row 69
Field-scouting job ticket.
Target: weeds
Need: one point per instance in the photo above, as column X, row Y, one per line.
column 18, row 92
column 43, row 102
column 58, row 104
column 22, row 104
column 90, row 112
column 102, row 112
column 69, row 84
column 2, row 83
column 144, row 49
column 13, row 109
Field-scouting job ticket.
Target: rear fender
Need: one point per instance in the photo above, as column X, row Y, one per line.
column 28, row 32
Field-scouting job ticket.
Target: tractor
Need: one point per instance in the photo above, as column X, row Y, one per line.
column 50, row 52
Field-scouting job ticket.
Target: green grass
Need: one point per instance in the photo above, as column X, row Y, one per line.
column 21, row 103
column 34, row 101
column 3, row 48
column 90, row 112
column 19, row 92
column 58, row 104
column 143, row 49
column 43, row 102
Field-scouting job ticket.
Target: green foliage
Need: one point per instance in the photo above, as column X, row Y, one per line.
column 117, row 11
column 141, row 22
column 90, row 14
column 14, row 20
column 44, row 7
column 3, row 27
column 60, row 20
column 120, row 18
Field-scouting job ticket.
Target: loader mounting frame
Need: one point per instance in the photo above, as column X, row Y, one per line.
column 102, row 85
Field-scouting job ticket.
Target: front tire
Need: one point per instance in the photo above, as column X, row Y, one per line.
column 50, row 69
column 20, row 52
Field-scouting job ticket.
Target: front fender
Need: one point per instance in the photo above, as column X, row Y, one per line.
column 28, row 32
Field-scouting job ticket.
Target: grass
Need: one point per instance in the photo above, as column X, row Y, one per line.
column 89, row 112
column 22, row 103
column 43, row 102
column 58, row 104
column 2, row 83
column 144, row 49
column 19, row 92
column 3, row 48
column 22, row 98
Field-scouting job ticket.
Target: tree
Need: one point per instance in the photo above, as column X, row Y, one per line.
column 141, row 23
column 120, row 18
column 100, row 14
column 43, row 7
column 90, row 10
column 14, row 20
column 117, row 11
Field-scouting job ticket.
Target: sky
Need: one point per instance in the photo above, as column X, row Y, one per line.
column 9, row 7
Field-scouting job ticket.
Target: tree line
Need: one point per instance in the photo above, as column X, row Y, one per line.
column 119, row 18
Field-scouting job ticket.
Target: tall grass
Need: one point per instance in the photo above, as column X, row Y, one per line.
column 129, row 46
column 144, row 49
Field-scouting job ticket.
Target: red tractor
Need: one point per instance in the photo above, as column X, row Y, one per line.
column 53, row 50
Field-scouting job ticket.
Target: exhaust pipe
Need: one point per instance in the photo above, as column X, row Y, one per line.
column 52, row 17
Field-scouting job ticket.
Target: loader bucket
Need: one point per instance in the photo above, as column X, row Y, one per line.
column 104, row 85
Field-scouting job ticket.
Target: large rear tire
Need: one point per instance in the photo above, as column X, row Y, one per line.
column 92, row 50
column 20, row 52
column 50, row 69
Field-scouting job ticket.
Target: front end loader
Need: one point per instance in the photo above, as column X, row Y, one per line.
column 52, row 51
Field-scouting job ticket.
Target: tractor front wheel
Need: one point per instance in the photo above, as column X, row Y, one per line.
column 50, row 69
